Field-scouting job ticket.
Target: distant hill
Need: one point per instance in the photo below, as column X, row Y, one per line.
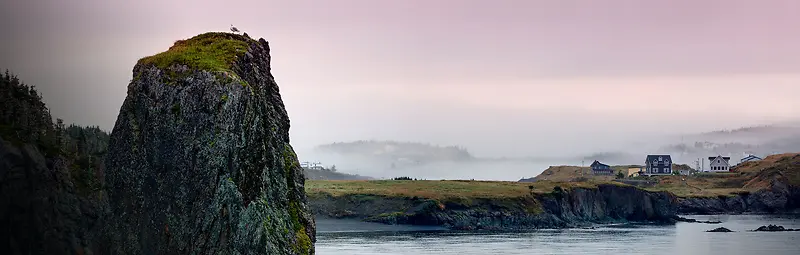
column 759, row 140
column 398, row 153
column 783, row 168
column 576, row 173
column 766, row 132
column 572, row 174
column 326, row 174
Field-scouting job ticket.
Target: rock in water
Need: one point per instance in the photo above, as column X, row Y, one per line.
column 774, row 228
column 199, row 159
column 720, row 229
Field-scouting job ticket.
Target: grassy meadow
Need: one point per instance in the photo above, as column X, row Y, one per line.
column 748, row 177
column 436, row 189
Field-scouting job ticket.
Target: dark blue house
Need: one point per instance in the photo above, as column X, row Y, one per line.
column 658, row 165
column 601, row 169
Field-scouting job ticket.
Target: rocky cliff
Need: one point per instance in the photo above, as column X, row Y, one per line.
column 51, row 201
column 771, row 185
column 199, row 159
column 44, row 211
column 767, row 201
column 780, row 197
column 560, row 208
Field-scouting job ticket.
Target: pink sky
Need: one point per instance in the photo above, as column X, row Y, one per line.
column 444, row 71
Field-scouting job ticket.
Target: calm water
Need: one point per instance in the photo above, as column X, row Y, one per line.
column 352, row 238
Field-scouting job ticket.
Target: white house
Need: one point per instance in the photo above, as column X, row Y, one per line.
column 750, row 157
column 719, row 164
column 312, row 165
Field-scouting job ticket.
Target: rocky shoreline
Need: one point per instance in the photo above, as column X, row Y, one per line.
column 780, row 198
column 560, row 208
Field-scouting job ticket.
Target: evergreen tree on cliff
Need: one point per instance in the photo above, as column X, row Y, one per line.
column 51, row 178
column 199, row 159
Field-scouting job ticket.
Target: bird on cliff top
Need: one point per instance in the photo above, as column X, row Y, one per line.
column 234, row 29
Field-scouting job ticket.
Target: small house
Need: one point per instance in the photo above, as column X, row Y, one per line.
column 719, row 164
column 601, row 169
column 749, row 158
column 658, row 165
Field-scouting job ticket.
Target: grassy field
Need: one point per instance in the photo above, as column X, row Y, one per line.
column 209, row 51
column 747, row 177
column 570, row 173
column 436, row 189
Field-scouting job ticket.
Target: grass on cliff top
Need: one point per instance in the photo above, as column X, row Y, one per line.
column 214, row 51
column 435, row 189
column 747, row 177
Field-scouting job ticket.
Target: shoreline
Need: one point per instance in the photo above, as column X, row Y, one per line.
column 477, row 205
column 332, row 226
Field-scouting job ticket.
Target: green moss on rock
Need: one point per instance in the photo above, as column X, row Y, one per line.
column 212, row 51
column 302, row 244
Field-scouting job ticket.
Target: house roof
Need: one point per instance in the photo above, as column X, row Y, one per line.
column 725, row 158
column 597, row 163
column 749, row 157
column 651, row 158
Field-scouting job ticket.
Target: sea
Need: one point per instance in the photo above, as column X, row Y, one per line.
column 340, row 237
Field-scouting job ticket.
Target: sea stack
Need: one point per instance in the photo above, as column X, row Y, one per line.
column 199, row 159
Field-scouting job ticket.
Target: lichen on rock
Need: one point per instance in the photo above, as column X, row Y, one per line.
column 206, row 167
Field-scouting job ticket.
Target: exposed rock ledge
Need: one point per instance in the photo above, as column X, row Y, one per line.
column 199, row 159
column 606, row 203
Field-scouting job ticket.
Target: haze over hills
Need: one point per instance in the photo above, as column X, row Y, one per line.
column 758, row 140
column 387, row 159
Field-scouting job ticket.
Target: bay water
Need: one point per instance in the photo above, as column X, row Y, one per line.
column 340, row 237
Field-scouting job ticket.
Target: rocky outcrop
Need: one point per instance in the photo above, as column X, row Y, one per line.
column 720, row 230
column 682, row 219
column 199, row 159
column 774, row 228
column 558, row 209
column 51, row 197
column 41, row 208
column 779, row 198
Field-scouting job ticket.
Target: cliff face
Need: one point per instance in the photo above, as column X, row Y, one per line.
column 42, row 209
column 774, row 185
column 199, row 159
column 558, row 209
column 780, row 198
column 50, row 178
